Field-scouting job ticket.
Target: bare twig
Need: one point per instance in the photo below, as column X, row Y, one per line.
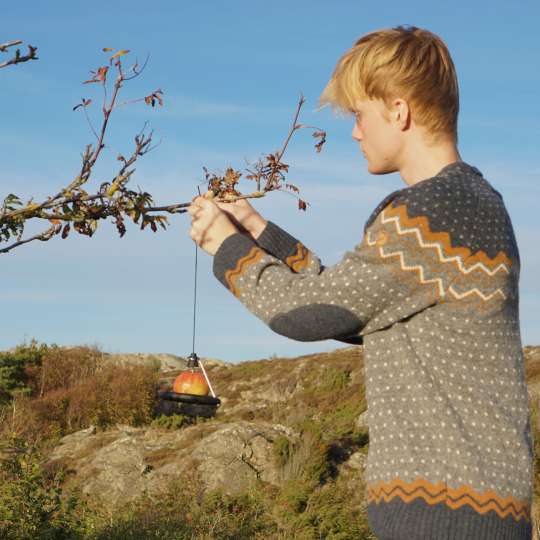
column 294, row 127
column 5, row 46
column 44, row 236
column 18, row 58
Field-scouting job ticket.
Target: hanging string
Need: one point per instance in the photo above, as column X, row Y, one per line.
column 195, row 292
column 195, row 300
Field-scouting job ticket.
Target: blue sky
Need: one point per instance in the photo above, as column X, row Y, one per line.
column 231, row 75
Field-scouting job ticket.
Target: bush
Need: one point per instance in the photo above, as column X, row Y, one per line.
column 17, row 367
column 282, row 450
column 184, row 512
column 71, row 389
column 174, row 421
column 31, row 502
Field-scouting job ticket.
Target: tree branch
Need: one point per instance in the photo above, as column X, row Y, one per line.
column 18, row 58
column 74, row 208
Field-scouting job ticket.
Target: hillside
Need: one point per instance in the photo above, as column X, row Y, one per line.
column 286, row 448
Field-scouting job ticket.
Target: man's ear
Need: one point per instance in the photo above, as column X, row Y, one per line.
column 401, row 113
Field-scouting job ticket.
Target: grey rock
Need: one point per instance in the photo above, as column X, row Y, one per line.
column 362, row 421
column 119, row 465
column 357, row 461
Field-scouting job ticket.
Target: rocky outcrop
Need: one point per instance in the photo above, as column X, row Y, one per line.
column 261, row 401
column 117, row 466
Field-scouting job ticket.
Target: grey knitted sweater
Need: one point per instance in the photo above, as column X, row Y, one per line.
column 432, row 293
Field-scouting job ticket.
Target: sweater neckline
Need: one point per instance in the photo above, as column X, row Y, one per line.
column 452, row 169
column 457, row 167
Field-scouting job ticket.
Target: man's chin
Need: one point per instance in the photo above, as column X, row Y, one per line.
column 380, row 169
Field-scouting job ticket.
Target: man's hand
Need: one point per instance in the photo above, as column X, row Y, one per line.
column 210, row 226
column 245, row 217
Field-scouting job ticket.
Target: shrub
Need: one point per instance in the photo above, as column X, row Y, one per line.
column 16, row 369
column 174, row 421
column 71, row 389
column 31, row 502
column 282, row 450
column 184, row 512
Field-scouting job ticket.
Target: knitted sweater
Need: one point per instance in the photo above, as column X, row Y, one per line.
column 432, row 293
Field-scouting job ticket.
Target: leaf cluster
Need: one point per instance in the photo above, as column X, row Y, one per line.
column 74, row 208
column 269, row 173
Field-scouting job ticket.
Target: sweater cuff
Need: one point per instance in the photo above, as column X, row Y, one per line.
column 233, row 257
column 283, row 246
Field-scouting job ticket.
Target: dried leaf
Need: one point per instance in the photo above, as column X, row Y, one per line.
column 102, row 73
column 99, row 76
column 119, row 53
column 153, row 97
column 83, row 103
column 320, row 135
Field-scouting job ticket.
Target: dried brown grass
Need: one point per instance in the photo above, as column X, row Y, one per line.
column 76, row 388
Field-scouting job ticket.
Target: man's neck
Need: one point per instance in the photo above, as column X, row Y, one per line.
column 422, row 162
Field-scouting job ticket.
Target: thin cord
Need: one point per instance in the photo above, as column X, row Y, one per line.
column 195, row 292
column 195, row 299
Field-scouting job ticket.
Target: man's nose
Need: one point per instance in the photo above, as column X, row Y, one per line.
column 356, row 133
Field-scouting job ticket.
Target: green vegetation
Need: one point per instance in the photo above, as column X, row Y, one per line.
column 15, row 369
column 47, row 392
column 175, row 421
column 50, row 391
column 31, row 502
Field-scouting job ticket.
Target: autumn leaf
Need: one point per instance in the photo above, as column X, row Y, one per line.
column 153, row 97
column 102, row 73
column 83, row 103
column 99, row 76
column 322, row 136
column 118, row 54
column 112, row 189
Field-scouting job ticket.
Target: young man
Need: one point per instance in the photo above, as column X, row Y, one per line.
column 431, row 292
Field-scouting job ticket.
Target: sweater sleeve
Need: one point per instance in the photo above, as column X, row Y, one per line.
column 384, row 279
column 279, row 243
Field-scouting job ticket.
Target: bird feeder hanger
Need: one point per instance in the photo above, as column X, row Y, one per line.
column 194, row 366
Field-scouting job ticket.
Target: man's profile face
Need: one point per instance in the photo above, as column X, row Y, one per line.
column 377, row 137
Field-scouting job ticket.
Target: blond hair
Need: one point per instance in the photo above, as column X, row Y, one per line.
column 405, row 62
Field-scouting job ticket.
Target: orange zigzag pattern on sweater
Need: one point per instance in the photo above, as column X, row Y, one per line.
column 420, row 226
column 231, row 276
column 300, row 259
column 452, row 497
